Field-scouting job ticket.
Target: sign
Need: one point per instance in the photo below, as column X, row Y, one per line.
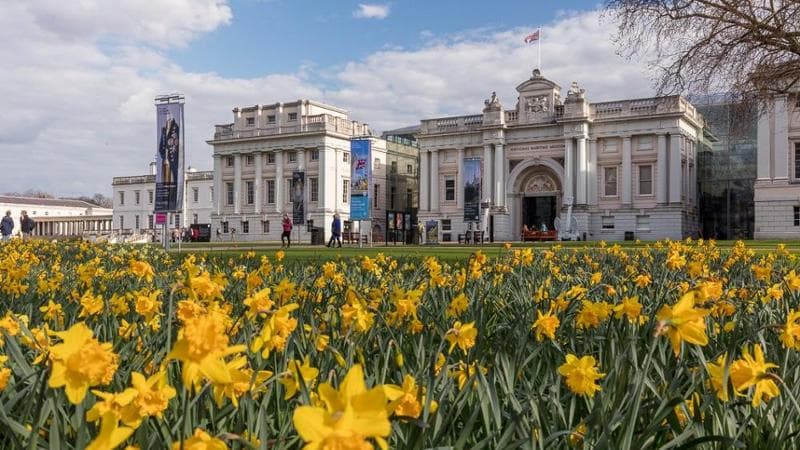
column 161, row 219
column 169, row 155
column 360, row 178
column 472, row 189
column 298, row 197
column 432, row 232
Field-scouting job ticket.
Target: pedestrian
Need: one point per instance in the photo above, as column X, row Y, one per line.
column 26, row 225
column 287, row 231
column 336, row 231
column 218, row 234
column 7, row 226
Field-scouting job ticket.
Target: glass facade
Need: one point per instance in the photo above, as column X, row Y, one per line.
column 727, row 171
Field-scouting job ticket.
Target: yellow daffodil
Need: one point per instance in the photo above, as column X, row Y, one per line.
column 200, row 440
column 545, row 325
column 462, row 335
column 683, row 322
column 752, row 370
column 80, row 361
column 581, row 374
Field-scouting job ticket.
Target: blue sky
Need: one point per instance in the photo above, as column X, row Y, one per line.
column 267, row 36
column 86, row 73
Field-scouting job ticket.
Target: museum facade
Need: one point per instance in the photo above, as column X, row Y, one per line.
column 601, row 171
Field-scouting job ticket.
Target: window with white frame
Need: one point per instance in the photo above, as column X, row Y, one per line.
column 610, row 181
column 136, row 198
column 121, row 199
column 313, row 185
column 229, row 161
column 229, row 193
column 271, row 158
column 797, row 160
column 607, row 222
column 251, row 121
column 250, row 160
column 270, row 191
column 271, row 118
column 195, row 194
column 345, row 190
column 377, row 188
column 292, row 117
column 150, row 197
column 211, row 193
column 646, row 179
column 250, row 192
column 245, row 226
column 195, row 219
column 449, row 189
column 315, row 155
column 150, row 221
column 409, row 168
column 136, row 222
column 121, row 222
column 265, row 226
column 225, row 226
column 345, row 157
column 287, row 191
column 292, row 157
column 642, row 222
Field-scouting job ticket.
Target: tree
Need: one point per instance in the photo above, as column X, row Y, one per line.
column 741, row 47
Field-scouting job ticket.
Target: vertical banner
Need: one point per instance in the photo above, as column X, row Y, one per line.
column 360, row 178
column 472, row 189
column 298, row 197
column 169, row 157
column 432, row 232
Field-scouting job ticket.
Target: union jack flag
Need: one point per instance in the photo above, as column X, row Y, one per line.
column 361, row 164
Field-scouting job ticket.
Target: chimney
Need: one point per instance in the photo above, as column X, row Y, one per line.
column 152, row 167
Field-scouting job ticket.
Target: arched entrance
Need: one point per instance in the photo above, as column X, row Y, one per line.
column 535, row 187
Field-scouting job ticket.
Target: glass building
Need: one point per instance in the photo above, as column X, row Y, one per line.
column 727, row 170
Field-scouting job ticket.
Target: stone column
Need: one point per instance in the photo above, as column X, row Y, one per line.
column 626, row 171
column 580, row 197
column 764, row 148
column 675, row 168
column 279, row 200
column 257, row 182
column 323, row 179
column 237, row 183
column 217, row 204
column 434, row 180
column 486, row 180
column 592, row 178
column 499, row 175
column 781, row 142
column 660, row 178
column 569, row 171
column 424, row 181
column 460, row 180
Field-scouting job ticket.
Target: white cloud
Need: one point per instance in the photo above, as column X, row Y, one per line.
column 371, row 11
column 77, row 111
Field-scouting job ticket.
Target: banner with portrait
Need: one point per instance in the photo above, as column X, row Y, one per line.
column 298, row 196
column 472, row 189
column 169, row 157
column 432, row 232
column 360, row 178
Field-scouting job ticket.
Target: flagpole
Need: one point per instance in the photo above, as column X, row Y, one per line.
column 539, row 47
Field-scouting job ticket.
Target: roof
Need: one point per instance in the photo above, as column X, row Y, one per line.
column 46, row 201
column 412, row 129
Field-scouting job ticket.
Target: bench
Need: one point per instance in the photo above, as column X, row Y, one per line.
column 536, row 235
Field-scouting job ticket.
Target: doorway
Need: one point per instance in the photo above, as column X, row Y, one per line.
column 539, row 210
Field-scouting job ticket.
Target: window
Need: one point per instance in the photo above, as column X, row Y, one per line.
column 345, row 157
column 394, row 167
column 409, row 168
column 608, row 222
column 150, row 221
column 447, row 225
column 449, row 189
column 149, row 197
column 271, row 118
column 314, row 188
column 376, row 164
column 315, row 155
column 287, row 191
column 345, row 193
column 292, row 157
column 796, row 216
column 393, row 192
column 194, row 218
column 121, row 222
column 211, row 193
column 377, row 188
column 250, row 160
column 409, row 198
column 136, row 222
column 610, row 181
column 265, row 226
column 177, row 218
column 225, row 226
column 121, row 198
column 229, row 161
column 250, row 192
column 229, row 193
column 292, row 117
column 646, row 180
column 245, row 226
column 642, row 223
column 136, row 197
column 270, row 191
column 271, row 158
column 797, row 160
column 195, row 194
column 251, row 121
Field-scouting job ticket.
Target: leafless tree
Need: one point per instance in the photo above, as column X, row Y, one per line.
column 740, row 47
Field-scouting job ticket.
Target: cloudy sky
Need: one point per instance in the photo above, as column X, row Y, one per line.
column 78, row 78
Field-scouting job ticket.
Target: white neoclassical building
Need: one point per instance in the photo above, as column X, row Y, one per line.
column 57, row 216
column 777, row 186
column 625, row 166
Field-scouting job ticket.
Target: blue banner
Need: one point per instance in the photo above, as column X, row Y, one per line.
column 472, row 190
column 360, row 179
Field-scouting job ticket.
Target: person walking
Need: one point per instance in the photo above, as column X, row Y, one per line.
column 336, row 231
column 7, row 226
column 286, row 237
column 26, row 225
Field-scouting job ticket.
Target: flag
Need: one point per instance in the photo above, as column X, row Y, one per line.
column 532, row 37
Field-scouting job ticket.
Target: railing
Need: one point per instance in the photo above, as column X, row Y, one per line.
column 452, row 124
column 137, row 179
column 511, row 116
column 643, row 107
column 316, row 123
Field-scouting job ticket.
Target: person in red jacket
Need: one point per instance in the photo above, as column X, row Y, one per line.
column 286, row 237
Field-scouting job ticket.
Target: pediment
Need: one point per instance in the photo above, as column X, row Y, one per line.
column 537, row 83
